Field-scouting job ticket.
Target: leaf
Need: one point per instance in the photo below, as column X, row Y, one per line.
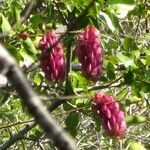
column 69, row 87
column 110, row 71
column 5, row 25
column 129, row 44
column 120, row 10
column 97, row 121
column 72, row 122
column 36, row 20
column 14, row 52
column 110, row 74
column 136, row 146
column 29, row 46
column 131, row 119
column 127, row 61
column 110, row 66
column 67, row 107
column 108, row 21
column 148, row 60
column 129, row 78
column 122, row 94
column 16, row 10
column 27, row 56
column 80, row 102
column 129, row 2
column 132, row 100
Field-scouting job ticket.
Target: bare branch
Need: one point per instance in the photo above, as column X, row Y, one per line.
column 33, row 103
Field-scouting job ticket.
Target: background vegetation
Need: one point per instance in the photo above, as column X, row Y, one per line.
column 124, row 26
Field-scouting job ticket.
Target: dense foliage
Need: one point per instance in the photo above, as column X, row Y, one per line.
column 124, row 27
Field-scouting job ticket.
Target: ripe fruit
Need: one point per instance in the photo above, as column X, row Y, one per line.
column 89, row 52
column 111, row 115
column 52, row 60
column 23, row 35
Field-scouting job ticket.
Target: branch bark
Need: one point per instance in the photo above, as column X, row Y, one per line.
column 33, row 103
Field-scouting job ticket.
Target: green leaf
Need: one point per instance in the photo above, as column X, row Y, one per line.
column 29, row 46
column 110, row 71
column 110, row 66
column 36, row 20
column 16, row 10
column 122, row 94
column 129, row 2
column 129, row 44
column 97, row 121
column 131, row 119
column 148, row 60
column 129, row 78
column 80, row 102
column 139, row 9
column 72, row 122
column 37, row 80
column 110, row 74
column 132, row 100
column 120, row 10
column 127, row 61
column 108, row 21
column 14, row 52
column 69, row 88
column 5, row 25
column 136, row 146
column 67, row 107
column 27, row 56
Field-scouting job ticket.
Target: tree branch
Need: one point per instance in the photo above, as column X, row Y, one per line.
column 33, row 103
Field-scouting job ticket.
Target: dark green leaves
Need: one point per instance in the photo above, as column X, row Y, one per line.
column 129, row 78
column 110, row 2
column 110, row 71
column 131, row 119
column 72, row 122
column 129, row 44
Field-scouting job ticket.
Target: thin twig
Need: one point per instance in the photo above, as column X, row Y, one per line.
column 68, row 68
column 78, row 90
column 16, row 123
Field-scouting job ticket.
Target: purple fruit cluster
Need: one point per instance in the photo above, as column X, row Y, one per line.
column 52, row 62
column 89, row 52
column 112, row 117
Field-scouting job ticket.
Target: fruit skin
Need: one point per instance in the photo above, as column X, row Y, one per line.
column 89, row 53
column 52, row 60
column 112, row 117
column 23, row 35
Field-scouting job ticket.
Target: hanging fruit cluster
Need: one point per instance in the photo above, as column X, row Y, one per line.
column 52, row 60
column 89, row 52
column 111, row 115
